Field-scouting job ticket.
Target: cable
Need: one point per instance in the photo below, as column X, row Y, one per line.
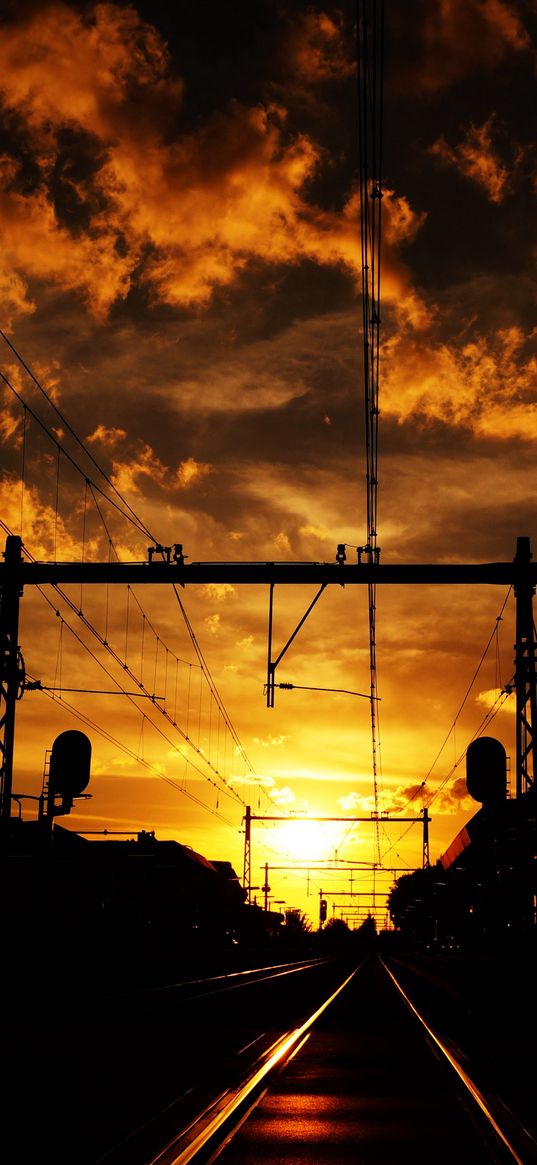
column 84, row 719
column 489, row 716
column 144, row 690
column 471, row 684
column 370, row 75
column 134, row 518
column 71, row 459
column 487, row 719
column 79, row 441
column 207, row 673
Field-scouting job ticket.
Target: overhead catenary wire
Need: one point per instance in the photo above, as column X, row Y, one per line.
column 61, row 416
column 370, row 78
column 487, row 719
column 484, row 724
column 144, row 691
column 140, row 525
column 130, row 516
column 107, row 735
column 212, row 685
column 484, row 654
column 60, row 448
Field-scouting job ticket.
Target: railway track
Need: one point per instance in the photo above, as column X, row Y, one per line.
column 184, row 1071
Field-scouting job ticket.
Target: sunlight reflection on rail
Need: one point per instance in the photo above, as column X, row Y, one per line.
column 469, row 1084
column 176, row 1153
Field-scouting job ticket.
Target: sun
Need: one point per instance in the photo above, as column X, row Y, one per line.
column 304, row 840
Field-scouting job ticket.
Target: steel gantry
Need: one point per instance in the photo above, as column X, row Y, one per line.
column 166, row 565
column 373, row 817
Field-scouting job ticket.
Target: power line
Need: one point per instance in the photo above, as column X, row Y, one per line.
column 84, row 719
column 370, row 70
column 471, row 684
column 162, row 711
column 131, row 517
column 121, row 690
column 60, row 448
column 79, row 441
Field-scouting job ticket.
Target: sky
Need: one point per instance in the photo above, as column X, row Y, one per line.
column 180, row 273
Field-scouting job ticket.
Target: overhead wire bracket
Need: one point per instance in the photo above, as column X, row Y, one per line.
column 272, row 664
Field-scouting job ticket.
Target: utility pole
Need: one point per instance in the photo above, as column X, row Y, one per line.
column 11, row 667
column 425, row 857
column 247, row 867
column 266, row 888
column 525, row 686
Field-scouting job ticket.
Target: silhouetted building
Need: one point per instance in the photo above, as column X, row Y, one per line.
column 66, row 901
column 482, row 892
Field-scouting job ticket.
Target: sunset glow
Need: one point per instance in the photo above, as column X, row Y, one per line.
column 180, row 273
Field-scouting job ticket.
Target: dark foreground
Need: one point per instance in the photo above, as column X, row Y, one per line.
column 112, row 1076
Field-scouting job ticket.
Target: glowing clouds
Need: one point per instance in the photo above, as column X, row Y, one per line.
column 315, row 50
column 461, row 37
column 143, row 465
column 220, row 591
column 487, row 386
column 108, row 436
column 59, row 67
column 191, row 471
column 42, row 527
column 120, row 199
column 128, row 475
column 476, row 159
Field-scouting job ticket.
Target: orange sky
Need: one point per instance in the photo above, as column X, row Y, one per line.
column 180, row 270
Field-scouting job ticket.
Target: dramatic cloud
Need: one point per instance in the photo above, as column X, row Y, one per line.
column 245, row 643
column 220, row 591
column 43, row 528
column 316, row 50
column 495, row 696
column 477, row 160
column 462, row 37
column 282, row 796
column 181, row 269
column 107, row 436
column 182, row 217
column 453, row 796
column 488, row 386
column 191, row 471
column 37, row 247
column 11, row 420
column 271, row 741
column 128, row 475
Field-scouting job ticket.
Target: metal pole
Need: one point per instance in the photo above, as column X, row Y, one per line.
column 11, row 675
column 246, row 876
column 270, row 666
column 266, row 887
column 525, row 674
column 426, row 820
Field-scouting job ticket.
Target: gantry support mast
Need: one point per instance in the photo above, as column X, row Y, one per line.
column 525, row 673
column 16, row 574
column 12, row 668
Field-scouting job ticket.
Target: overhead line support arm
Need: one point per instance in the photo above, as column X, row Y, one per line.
column 295, row 573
